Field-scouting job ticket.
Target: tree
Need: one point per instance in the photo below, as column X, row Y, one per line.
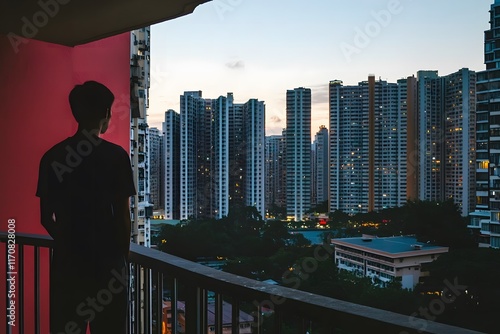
column 439, row 223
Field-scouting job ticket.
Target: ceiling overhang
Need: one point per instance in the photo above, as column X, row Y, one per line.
column 74, row 22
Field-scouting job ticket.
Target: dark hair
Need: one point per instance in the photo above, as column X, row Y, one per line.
column 90, row 102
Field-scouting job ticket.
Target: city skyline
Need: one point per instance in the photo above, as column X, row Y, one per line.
column 222, row 48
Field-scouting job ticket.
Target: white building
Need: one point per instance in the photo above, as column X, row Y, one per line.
column 254, row 112
column 298, row 152
column 386, row 259
column 220, row 157
column 171, row 158
column 156, row 160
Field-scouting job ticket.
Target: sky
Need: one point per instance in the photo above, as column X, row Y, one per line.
column 262, row 48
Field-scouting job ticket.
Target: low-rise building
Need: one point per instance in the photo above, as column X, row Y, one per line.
column 386, row 259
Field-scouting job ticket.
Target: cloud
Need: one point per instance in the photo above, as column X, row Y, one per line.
column 275, row 119
column 236, row 65
column 320, row 93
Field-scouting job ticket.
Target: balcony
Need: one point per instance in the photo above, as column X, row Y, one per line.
column 188, row 286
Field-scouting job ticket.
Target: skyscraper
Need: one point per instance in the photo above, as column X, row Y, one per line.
column 368, row 160
column 446, row 122
column 220, row 156
column 254, row 124
column 298, row 152
column 171, row 154
column 237, row 154
column 275, row 173
column 321, row 159
column 195, row 155
column 156, row 168
column 141, row 208
column 486, row 219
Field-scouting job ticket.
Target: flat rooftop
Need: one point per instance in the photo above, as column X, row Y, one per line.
column 390, row 245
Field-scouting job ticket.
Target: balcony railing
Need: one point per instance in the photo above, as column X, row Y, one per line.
column 196, row 294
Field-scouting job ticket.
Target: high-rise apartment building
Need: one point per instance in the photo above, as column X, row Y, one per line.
column 141, row 209
column 220, row 156
column 486, row 219
column 321, row 161
column 446, row 119
column 156, row 160
column 275, row 173
column 171, row 158
column 237, row 153
column 254, row 112
column 298, row 152
column 368, row 139
column 195, row 156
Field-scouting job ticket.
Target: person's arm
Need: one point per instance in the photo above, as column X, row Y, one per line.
column 48, row 218
column 122, row 216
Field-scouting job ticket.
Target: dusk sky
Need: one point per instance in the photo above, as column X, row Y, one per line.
column 259, row 49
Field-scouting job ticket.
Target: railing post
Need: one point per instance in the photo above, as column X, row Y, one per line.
column 159, row 302
column 137, row 298
column 37, row 289
column 146, row 290
column 235, row 316
column 20, row 300
column 173, row 305
column 193, row 309
column 218, row 313
column 278, row 320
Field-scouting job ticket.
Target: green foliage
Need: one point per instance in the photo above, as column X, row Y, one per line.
column 439, row 223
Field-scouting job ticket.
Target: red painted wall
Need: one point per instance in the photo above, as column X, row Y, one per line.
column 35, row 114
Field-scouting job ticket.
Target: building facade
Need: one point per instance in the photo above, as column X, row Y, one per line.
column 275, row 173
column 447, row 135
column 220, row 156
column 485, row 220
column 141, row 208
column 171, row 157
column 254, row 112
column 195, row 156
column 321, row 160
column 386, row 259
column 156, row 160
column 298, row 153
column 368, row 145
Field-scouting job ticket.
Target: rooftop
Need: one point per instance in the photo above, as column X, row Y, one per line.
column 390, row 245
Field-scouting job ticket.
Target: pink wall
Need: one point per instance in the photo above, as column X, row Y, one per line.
column 35, row 114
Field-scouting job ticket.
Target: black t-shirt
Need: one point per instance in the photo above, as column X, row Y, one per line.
column 82, row 176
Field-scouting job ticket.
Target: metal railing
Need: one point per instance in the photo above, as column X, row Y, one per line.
column 159, row 278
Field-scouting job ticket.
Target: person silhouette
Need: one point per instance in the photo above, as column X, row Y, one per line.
column 84, row 186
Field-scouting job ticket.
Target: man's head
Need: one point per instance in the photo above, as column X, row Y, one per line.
column 91, row 105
